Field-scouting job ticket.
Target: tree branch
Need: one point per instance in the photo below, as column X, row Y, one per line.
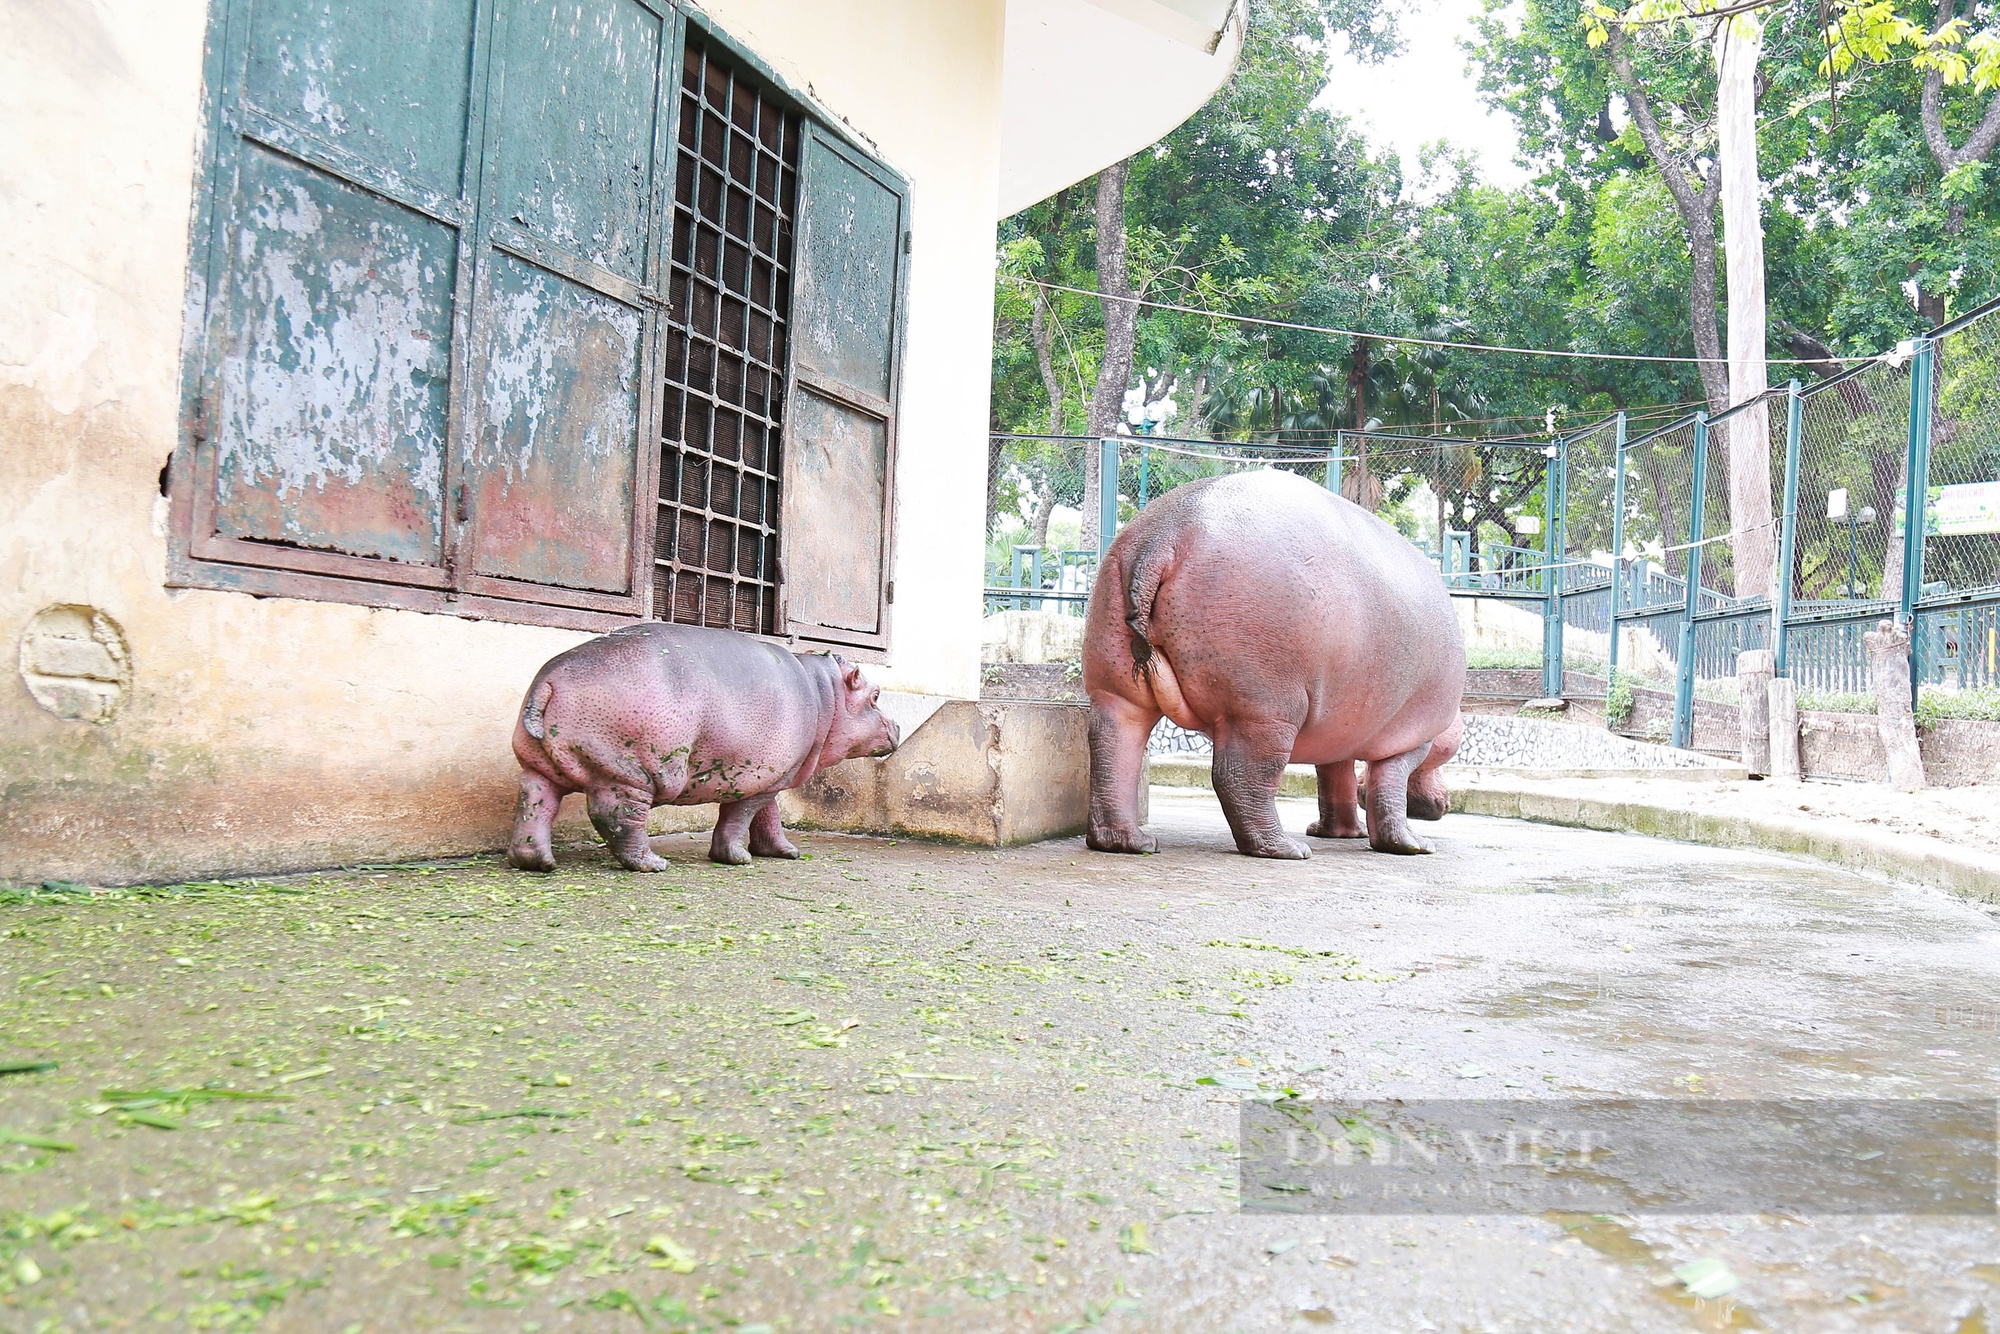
column 1931, row 108
column 1649, row 129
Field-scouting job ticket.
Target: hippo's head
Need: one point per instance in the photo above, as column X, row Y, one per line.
column 859, row 725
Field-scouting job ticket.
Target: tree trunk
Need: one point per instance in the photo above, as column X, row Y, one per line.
column 1738, row 45
column 1358, row 482
column 1038, row 330
column 1697, row 213
column 1121, row 320
column 1888, row 646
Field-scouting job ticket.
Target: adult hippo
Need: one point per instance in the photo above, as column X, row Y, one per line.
column 1288, row 625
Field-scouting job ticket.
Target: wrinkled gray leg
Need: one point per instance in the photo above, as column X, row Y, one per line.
column 1339, row 807
column 1388, row 802
column 767, row 832
column 534, row 816
column 1248, row 767
column 1119, row 730
column 620, row 816
column 730, row 844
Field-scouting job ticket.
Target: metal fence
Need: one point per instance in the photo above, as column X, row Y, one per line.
column 1645, row 555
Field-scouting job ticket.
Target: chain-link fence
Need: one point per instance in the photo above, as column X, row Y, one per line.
column 1657, row 560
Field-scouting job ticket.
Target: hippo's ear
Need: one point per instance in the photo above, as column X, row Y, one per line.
column 852, row 676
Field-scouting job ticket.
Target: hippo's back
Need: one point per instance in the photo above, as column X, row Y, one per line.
column 1282, row 598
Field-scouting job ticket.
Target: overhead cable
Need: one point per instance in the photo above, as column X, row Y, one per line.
column 1415, row 341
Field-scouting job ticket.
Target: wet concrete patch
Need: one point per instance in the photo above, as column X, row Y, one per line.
column 927, row 1087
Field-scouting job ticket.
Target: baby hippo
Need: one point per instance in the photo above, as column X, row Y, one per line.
column 677, row 715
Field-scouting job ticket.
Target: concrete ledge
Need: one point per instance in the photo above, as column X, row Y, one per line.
column 993, row 773
column 1963, row 871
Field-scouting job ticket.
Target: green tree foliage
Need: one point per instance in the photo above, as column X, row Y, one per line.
column 1268, row 206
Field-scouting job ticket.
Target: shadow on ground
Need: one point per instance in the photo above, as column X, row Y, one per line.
column 934, row 1088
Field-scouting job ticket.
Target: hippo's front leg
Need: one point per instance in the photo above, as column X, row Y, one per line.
column 1119, row 730
column 1248, row 766
column 1388, row 802
column 767, row 832
column 1339, row 803
column 735, row 836
column 620, row 816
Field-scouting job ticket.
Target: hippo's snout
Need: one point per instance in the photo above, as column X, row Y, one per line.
column 886, row 740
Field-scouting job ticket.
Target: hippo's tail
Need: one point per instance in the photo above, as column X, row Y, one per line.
column 535, row 706
column 1150, row 564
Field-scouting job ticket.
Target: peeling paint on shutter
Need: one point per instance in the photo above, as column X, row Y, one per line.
column 554, row 458
column 840, row 429
column 329, row 363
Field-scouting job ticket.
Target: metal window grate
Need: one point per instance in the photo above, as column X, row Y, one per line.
column 728, row 303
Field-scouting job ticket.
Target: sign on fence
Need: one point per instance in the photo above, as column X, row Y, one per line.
column 1958, row 511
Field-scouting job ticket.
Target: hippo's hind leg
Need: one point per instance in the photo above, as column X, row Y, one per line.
column 1248, row 766
column 1388, row 802
column 1119, row 735
column 620, row 816
column 534, row 817
column 1339, row 803
column 1430, row 799
column 1119, row 730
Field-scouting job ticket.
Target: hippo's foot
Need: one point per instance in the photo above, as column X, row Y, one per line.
column 775, row 846
column 728, row 854
column 1248, row 765
column 1120, row 840
column 1339, row 811
column 1388, row 795
column 1407, row 844
column 767, row 834
column 1281, row 847
column 528, row 858
column 1348, row 827
column 651, row 861
column 619, row 813
column 749, row 826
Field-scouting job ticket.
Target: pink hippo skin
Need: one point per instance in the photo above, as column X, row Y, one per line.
column 1289, row 625
column 675, row 715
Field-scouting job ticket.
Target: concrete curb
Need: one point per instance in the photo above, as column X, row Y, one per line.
column 1963, row 871
column 1966, row 872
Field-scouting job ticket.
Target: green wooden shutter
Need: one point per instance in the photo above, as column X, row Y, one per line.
column 560, row 437
column 840, row 411
column 334, row 276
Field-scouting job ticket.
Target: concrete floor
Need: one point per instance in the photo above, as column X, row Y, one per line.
column 934, row 1088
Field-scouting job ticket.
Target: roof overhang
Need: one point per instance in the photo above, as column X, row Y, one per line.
column 1090, row 82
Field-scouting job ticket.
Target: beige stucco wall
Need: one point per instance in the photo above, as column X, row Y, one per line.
column 263, row 734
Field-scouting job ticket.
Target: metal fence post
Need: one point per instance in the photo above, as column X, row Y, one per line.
column 1916, row 499
column 1145, row 456
column 1555, row 543
column 1334, row 461
column 1788, row 521
column 1684, row 674
column 1617, row 555
column 1107, row 497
